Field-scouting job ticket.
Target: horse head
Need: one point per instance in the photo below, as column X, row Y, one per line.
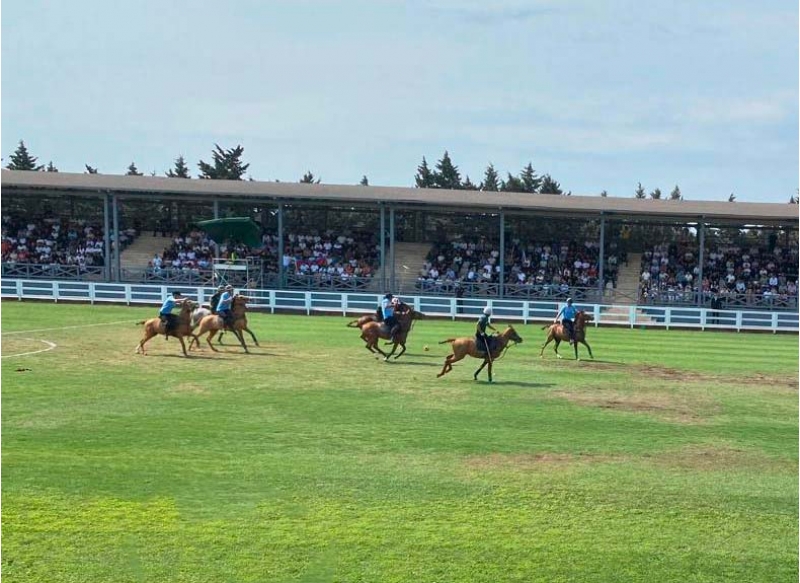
column 510, row 334
column 582, row 318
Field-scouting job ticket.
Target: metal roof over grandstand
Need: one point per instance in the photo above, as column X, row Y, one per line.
column 62, row 183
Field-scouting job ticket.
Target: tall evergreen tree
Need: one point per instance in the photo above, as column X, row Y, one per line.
column 732, row 198
column 550, row 186
column 227, row 164
column 424, row 177
column 530, row 181
column 133, row 170
column 91, row 169
column 447, row 175
column 50, row 167
column 604, row 194
column 491, row 181
column 656, row 194
column 22, row 160
column 469, row 185
column 640, row 192
column 676, row 194
column 180, row 170
column 364, row 181
column 512, row 184
column 308, row 178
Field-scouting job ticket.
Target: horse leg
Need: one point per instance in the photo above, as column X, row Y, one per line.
column 183, row 345
column 575, row 344
column 210, row 336
column 485, row 362
column 448, row 366
column 589, row 348
column 402, row 351
column 555, row 347
column 253, row 336
column 140, row 347
column 221, row 334
column 548, row 341
column 240, row 337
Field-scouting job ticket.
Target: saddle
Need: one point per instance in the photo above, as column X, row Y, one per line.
column 480, row 346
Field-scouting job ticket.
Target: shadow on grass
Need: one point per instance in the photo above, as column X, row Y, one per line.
column 411, row 363
column 192, row 356
column 529, row 385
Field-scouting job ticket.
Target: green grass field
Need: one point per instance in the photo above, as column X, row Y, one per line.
column 673, row 456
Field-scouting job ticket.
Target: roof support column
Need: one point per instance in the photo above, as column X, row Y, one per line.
column 502, row 252
column 382, row 232
column 281, row 275
column 216, row 208
column 601, row 283
column 391, row 247
column 106, row 238
column 115, row 212
column 701, row 231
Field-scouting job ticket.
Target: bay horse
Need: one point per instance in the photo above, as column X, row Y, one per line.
column 202, row 312
column 558, row 333
column 373, row 331
column 154, row 327
column 213, row 323
column 467, row 346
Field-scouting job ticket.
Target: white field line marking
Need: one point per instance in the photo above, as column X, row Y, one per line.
column 50, row 346
column 69, row 327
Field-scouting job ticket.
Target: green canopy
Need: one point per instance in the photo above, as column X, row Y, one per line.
column 238, row 229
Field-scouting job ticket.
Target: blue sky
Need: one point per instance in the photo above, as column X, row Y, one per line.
column 599, row 94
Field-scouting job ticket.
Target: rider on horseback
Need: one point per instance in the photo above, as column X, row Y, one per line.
column 482, row 340
column 388, row 305
column 169, row 319
column 215, row 299
column 224, row 306
column 567, row 315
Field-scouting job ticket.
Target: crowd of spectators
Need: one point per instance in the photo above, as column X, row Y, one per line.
column 538, row 267
column 54, row 242
column 747, row 273
column 328, row 256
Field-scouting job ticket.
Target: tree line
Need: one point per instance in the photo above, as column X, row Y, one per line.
column 227, row 164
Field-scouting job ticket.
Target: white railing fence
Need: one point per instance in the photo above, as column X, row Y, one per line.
column 344, row 303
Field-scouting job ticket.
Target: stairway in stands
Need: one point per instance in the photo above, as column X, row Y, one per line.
column 141, row 251
column 408, row 260
column 627, row 292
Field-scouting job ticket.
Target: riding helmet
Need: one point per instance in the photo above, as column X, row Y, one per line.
column 569, row 300
column 487, row 310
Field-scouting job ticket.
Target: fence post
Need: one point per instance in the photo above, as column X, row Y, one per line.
column 343, row 300
column 632, row 316
column 774, row 322
column 272, row 301
column 526, row 311
column 55, row 291
column 738, row 321
column 308, row 303
column 19, row 290
column 667, row 316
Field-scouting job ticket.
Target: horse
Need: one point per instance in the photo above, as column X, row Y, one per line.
column 213, row 323
column 558, row 332
column 468, row 346
column 154, row 327
column 373, row 331
column 202, row 312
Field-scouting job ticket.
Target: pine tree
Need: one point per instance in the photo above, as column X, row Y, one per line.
column 550, row 186
column 133, row 170
column 91, row 169
column 491, row 181
column 656, row 194
column 604, row 194
column 640, row 193
column 732, row 198
column 364, row 181
column 446, row 175
column 308, row 178
column 512, row 184
column 424, row 177
column 180, row 170
column 676, row 194
column 22, row 160
column 227, row 164
column 530, row 181
column 50, row 167
column 468, row 184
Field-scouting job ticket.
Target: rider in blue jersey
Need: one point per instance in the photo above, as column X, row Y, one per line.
column 165, row 313
column 224, row 306
column 567, row 315
column 387, row 308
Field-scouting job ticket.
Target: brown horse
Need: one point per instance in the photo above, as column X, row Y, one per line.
column 373, row 331
column 213, row 323
column 558, row 332
column 154, row 327
column 468, row 347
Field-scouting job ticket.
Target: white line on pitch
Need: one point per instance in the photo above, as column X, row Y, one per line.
column 68, row 327
column 50, row 346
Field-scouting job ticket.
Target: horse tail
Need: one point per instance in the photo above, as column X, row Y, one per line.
column 448, row 340
column 141, row 322
column 353, row 324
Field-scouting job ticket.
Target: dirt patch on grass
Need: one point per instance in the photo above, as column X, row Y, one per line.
column 723, row 457
column 497, row 461
column 669, row 406
column 188, row 388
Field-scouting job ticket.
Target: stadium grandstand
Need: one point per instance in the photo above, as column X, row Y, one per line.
column 604, row 250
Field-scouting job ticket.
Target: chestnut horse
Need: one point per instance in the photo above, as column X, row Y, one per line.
column 154, row 327
column 213, row 323
column 558, row 332
column 373, row 331
column 468, row 347
column 201, row 313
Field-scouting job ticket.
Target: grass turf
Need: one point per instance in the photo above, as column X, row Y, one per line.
column 671, row 457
